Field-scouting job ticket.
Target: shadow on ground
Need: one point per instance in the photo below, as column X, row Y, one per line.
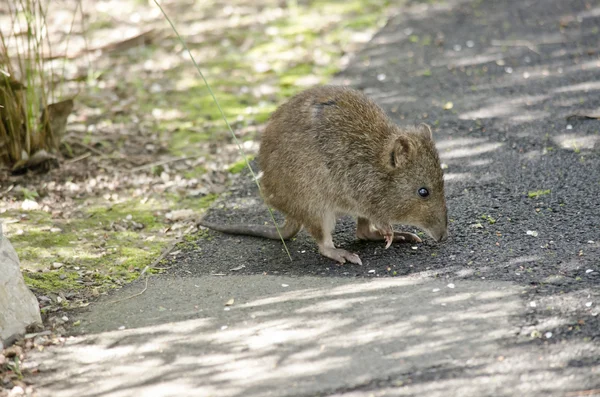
column 313, row 336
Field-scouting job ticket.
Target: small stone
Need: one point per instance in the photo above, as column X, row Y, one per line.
column 16, row 391
column 121, row 328
column 435, row 290
column 450, row 285
column 29, row 205
column 532, row 304
column 55, row 230
column 285, row 285
column 532, row 233
column 590, row 242
column 57, row 265
column 381, row 77
column 508, row 70
column 470, row 43
column 548, row 335
column 457, row 47
column 372, row 271
column 569, row 127
column 588, row 304
column 13, row 351
column 65, row 318
column 223, row 328
column 588, row 271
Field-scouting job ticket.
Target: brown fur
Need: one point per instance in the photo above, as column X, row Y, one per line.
column 331, row 150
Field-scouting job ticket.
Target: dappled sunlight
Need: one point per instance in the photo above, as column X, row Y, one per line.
column 584, row 87
column 470, row 151
column 457, row 177
column 576, row 142
column 308, row 337
column 506, row 107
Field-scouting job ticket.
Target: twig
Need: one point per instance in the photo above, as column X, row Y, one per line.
column 166, row 252
column 90, row 148
column 132, row 296
column 533, row 47
column 583, row 116
column 75, row 159
column 162, row 162
column 591, row 392
column 524, row 43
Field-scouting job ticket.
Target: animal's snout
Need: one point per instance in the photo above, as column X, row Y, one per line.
column 443, row 236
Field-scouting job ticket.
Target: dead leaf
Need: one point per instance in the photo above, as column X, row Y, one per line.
column 584, row 117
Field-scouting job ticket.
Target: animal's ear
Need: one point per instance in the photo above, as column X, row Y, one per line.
column 401, row 152
column 425, row 131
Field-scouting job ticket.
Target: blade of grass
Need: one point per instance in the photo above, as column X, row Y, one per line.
column 226, row 122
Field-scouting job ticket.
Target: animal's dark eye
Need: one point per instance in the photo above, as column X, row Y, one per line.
column 423, row 192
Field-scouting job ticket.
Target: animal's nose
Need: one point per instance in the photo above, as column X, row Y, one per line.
column 443, row 236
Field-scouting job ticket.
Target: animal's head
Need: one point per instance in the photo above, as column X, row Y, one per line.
column 416, row 188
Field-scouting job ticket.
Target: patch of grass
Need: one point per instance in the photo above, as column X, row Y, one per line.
column 489, row 219
column 538, row 193
column 52, row 281
column 239, row 166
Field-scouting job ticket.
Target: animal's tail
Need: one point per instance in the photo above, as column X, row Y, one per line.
column 289, row 229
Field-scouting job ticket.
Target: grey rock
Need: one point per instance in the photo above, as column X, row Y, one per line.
column 18, row 306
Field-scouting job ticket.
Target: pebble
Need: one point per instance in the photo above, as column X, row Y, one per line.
column 372, row 271
column 57, row 265
column 532, row 304
column 548, row 335
column 451, row 285
column 16, row 391
column 29, row 205
column 588, row 304
column 285, row 285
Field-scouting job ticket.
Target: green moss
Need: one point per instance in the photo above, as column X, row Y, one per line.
column 199, row 204
column 538, row 193
column 52, row 281
column 239, row 166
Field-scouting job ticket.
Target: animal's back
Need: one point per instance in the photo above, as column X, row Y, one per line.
column 313, row 141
